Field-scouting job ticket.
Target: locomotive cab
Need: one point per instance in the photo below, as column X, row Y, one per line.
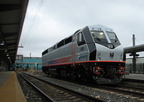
column 105, row 38
column 109, row 56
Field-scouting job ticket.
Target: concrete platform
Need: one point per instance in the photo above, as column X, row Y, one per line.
column 135, row 76
column 10, row 90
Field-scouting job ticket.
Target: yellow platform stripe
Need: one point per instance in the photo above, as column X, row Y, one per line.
column 11, row 91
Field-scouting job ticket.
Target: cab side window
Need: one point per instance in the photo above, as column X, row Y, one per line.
column 80, row 39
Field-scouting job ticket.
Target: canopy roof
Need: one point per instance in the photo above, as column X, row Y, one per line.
column 12, row 14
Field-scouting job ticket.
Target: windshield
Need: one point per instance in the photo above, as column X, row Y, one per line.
column 112, row 36
column 99, row 36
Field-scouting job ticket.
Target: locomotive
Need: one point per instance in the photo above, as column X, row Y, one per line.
column 93, row 52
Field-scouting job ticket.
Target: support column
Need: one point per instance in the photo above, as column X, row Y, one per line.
column 134, row 62
column 134, row 56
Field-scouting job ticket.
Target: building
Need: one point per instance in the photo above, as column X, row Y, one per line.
column 27, row 63
column 139, row 65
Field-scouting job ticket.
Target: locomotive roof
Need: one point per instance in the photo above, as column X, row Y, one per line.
column 100, row 27
column 91, row 27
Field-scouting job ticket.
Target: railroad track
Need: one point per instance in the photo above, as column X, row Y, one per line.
column 102, row 92
column 54, row 93
column 131, row 90
column 31, row 94
column 125, row 90
column 135, row 88
column 133, row 80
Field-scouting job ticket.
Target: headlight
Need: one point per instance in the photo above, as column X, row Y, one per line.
column 98, row 58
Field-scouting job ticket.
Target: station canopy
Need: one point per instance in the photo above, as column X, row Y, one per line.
column 12, row 14
column 137, row 48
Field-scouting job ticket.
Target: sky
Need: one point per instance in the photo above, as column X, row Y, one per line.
column 49, row 21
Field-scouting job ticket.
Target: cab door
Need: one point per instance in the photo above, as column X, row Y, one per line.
column 73, row 50
column 77, row 48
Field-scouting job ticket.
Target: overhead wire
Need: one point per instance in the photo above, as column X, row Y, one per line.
column 139, row 41
column 33, row 21
column 129, row 43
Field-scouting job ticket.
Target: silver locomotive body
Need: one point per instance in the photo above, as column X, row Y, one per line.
column 93, row 52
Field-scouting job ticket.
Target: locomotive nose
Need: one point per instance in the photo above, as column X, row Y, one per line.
column 106, row 54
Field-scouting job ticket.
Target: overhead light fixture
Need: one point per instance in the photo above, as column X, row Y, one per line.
column 2, row 43
column 10, row 59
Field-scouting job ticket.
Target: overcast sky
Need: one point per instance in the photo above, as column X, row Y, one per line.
column 49, row 21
